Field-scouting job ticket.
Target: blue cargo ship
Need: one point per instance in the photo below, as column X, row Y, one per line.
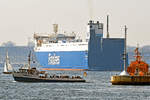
column 64, row 52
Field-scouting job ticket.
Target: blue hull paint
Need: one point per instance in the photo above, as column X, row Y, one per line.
column 105, row 54
column 63, row 59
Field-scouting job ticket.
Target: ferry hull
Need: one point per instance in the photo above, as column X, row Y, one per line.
column 63, row 60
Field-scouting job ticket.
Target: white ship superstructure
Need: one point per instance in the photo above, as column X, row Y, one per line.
column 61, row 52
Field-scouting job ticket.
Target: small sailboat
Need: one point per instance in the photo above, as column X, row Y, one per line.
column 7, row 66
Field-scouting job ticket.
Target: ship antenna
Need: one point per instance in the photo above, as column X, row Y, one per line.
column 107, row 26
column 125, row 48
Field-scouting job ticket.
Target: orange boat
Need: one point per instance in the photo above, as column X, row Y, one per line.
column 137, row 73
column 138, row 67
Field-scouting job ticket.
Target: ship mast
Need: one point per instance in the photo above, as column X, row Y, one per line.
column 107, row 26
column 125, row 53
column 125, row 48
column 55, row 27
column 137, row 54
column 29, row 60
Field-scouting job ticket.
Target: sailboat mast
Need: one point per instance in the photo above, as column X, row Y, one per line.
column 125, row 48
column 7, row 60
column 6, row 63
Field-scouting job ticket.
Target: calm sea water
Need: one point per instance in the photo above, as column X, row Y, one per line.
column 97, row 87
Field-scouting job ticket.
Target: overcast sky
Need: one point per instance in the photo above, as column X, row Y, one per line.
column 19, row 19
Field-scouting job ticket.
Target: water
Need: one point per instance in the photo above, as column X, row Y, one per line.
column 97, row 87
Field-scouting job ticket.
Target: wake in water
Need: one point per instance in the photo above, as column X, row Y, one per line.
column 14, row 81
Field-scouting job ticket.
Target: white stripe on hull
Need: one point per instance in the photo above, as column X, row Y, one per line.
column 82, row 46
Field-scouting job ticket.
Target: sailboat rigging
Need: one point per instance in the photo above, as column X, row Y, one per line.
column 7, row 66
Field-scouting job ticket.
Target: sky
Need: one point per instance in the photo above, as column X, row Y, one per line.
column 19, row 19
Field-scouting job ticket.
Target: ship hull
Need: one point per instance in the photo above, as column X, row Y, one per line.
column 7, row 72
column 130, row 80
column 32, row 79
column 63, row 60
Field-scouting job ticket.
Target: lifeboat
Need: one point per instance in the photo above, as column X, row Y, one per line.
column 137, row 67
column 137, row 73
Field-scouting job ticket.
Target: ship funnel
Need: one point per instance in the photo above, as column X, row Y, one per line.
column 107, row 26
column 55, row 26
